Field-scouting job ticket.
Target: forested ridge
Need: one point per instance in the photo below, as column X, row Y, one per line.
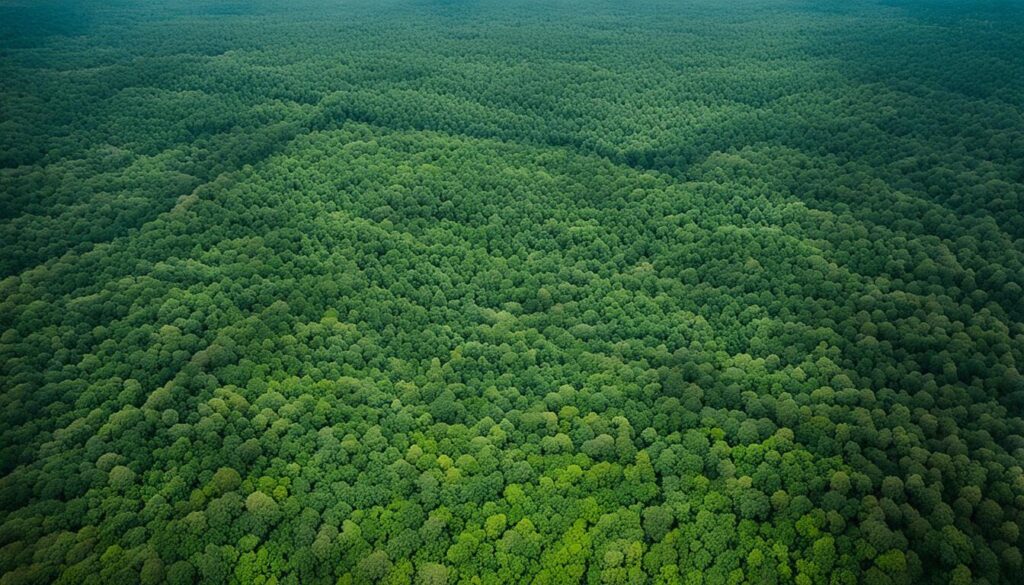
column 562, row 291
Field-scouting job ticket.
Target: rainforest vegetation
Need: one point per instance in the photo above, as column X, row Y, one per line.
column 511, row 291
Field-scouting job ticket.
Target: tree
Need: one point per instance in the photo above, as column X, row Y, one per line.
column 373, row 568
column 121, row 477
column 263, row 509
column 432, row 574
column 657, row 522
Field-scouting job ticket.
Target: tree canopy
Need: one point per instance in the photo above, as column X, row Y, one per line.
column 443, row 292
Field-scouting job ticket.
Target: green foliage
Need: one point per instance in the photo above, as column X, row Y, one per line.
column 511, row 292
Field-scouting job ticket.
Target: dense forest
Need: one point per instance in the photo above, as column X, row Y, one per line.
column 511, row 291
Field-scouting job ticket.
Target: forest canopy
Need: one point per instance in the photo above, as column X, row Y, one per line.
column 511, row 291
